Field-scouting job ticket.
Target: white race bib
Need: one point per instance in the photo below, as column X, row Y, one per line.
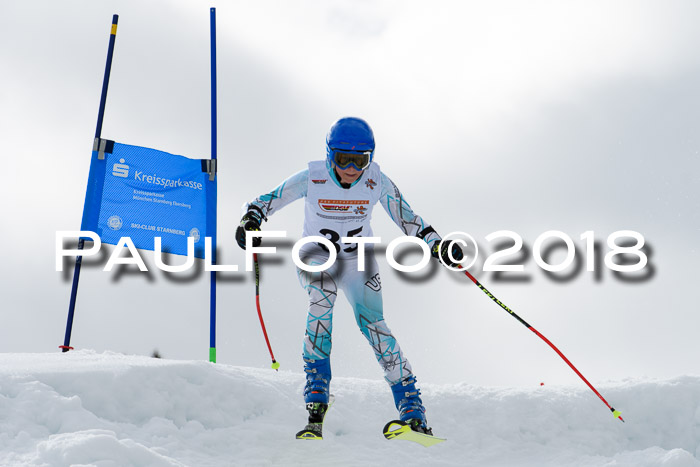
column 335, row 212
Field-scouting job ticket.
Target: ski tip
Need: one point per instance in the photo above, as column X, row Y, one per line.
column 395, row 428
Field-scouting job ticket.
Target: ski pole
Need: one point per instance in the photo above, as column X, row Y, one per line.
column 275, row 365
column 616, row 413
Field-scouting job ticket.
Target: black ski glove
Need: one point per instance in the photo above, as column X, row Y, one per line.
column 249, row 222
column 457, row 252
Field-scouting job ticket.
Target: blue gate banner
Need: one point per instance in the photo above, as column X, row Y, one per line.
column 143, row 193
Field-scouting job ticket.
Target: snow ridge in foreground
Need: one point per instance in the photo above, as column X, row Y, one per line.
column 107, row 409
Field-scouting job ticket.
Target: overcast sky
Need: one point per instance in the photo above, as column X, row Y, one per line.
column 525, row 116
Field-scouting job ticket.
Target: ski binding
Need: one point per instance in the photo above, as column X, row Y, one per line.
column 314, row 429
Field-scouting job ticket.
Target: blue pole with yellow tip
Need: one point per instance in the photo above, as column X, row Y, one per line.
column 105, row 81
column 98, row 132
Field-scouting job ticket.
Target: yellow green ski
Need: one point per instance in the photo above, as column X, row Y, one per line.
column 396, row 429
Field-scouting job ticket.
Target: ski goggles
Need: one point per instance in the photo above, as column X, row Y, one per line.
column 359, row 160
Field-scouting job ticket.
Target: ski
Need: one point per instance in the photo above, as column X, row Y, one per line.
column 396, row 429
column 317, row 414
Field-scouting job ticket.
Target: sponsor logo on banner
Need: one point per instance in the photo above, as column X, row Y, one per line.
column 340, row 205
column 121, row 169
column 115, row 222
column 166, row 182
column 141, row 193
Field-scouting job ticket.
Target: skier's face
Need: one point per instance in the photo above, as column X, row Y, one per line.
column 348, row 175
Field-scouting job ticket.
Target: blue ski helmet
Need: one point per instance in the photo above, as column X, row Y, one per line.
column 350, row 141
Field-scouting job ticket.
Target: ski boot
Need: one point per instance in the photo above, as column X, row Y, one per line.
column 317, row 397
column 318, row 378
column 410, row 405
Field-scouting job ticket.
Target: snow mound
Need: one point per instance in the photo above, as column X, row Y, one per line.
column 84, row 408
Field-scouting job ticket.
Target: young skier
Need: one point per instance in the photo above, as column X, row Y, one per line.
column 340, row 193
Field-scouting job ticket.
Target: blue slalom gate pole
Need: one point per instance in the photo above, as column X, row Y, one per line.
column 212, row 306
column 98, row 132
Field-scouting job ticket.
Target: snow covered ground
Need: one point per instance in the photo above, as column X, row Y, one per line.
column 108, row 409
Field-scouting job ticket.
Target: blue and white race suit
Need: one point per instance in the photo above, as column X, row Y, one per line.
column 335, row 212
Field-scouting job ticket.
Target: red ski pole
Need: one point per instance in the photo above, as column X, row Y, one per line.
column 275, row 365
column 502, row 305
